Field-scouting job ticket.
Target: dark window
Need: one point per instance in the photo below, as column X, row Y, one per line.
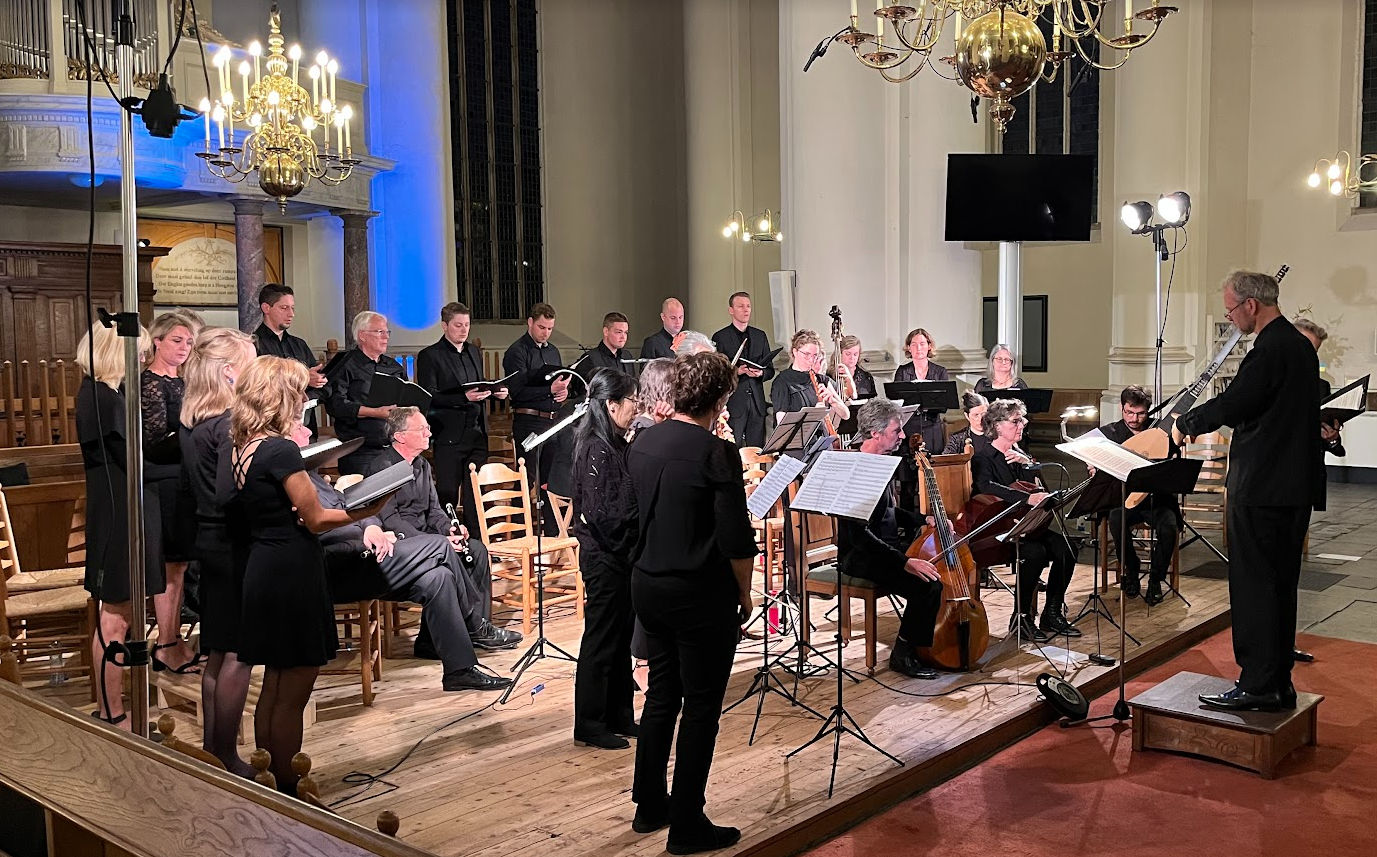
column 1368, row 199
column 1034, row 356
column 1063, row 117
column 494, row 105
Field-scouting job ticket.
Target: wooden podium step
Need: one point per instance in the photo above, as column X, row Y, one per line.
column 1171, row 717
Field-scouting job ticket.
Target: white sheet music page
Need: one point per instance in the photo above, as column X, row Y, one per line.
column 848, row 484
column 1104, row 454
column 781, row 473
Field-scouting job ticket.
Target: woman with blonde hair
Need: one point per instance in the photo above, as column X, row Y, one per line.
column 803, row 385
column 273, row 515
column 100, row 412
column 1002, row 372
column 861, row 384
column 219, row 357
column 161, row 389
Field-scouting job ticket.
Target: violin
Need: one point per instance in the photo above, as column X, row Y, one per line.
column 963, row 629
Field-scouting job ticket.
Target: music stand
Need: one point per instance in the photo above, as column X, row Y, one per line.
column 1034, row 520
column 1173, row 476
column 1098, row 498
column 1036, row 400
column 928, row 395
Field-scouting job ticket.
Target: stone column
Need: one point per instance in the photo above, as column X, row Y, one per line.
column 357, row 296
column 248, row 257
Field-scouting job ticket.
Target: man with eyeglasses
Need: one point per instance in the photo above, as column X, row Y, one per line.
column 349, row 386
column 415, row 512
column 1160, row 511
column 1276, row 477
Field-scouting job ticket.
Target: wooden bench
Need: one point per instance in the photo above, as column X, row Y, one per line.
column 49, row 523
column 55, row 462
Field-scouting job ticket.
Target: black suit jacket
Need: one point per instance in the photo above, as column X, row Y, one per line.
column 658, row 344
column 1276, row 457
column 750, row 392
column 453, row 418
column 991, row 473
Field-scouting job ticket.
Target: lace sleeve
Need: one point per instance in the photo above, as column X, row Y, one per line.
column 154, row 406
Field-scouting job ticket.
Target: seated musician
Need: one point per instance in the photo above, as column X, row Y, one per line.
column 875, row 549
column 1002, row 373
column 803, row 385
column 363, row 560
column 995, row 468
column 349, row 386
column 974, row 405
column 415, row 510
column 1160, row 511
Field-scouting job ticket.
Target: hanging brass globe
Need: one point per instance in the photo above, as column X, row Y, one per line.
column 1000, row 57
column 280, row 176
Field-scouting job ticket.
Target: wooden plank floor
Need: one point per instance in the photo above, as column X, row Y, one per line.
column 510, row 781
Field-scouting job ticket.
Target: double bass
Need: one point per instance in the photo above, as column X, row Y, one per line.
column 963, row 630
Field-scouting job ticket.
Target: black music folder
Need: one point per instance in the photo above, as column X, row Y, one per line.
column 928, row 395
column 1346, row 402
column 489, row 386
column 391, row 390
column 335, row 362
column 324, row 453
column 1035, row 399
column 379, row 484
column 769, row 359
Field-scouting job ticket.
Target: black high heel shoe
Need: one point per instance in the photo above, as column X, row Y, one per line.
column 191, row 667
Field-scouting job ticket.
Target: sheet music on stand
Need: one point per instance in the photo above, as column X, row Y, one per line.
column 1104, row 454
column 847, row 484
column 785, row 470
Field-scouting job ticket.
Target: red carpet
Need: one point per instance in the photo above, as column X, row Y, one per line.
column 1085, row 792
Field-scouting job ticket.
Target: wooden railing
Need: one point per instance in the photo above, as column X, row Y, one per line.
column 39, row 403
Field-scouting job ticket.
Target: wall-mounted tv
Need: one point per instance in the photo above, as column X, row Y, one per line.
column 1019, row 197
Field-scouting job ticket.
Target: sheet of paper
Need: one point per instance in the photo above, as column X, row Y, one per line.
column 1104, row 454
column 848, row 484
column 771, row 488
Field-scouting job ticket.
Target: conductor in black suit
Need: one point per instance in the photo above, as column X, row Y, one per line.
column 747, row 405
column 458, row 420
column 661, row 342
column 1276, row 477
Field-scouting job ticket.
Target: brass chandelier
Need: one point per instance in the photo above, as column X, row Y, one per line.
column 288, row 128
column 1341, row 176
column 758, row 227
column 1000, row 52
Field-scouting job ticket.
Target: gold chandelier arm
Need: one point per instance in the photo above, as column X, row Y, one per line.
column 929, row 29
column 899, row 60
column 1080, row 49
column 912, row 74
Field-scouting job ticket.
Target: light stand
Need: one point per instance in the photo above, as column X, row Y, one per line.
column 540, row 644
column 1174, row 209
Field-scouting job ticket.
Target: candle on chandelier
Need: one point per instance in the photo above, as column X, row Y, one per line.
column 222, row 61
column 244, row 74
column 333, row 67
column 255, row 50
column 1128, row 17
column 853, row 12
column 229, row 110
column 220, row 124
column 348, row 113
column 204, row 107
column 880, row 22
column 294, row 54
column 314, row 74
column 1056, row 36
column 958, row 25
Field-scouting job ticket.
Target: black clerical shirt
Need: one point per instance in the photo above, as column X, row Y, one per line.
column 524, row 356
column 601, row 357
column 750, row 390
column 349, row 386
column 658, row 344
column 453, row 418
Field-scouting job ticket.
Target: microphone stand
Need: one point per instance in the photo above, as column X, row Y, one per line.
column 537, row 649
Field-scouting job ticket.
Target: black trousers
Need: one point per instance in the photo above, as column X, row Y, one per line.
column 747, row 427
column 452, row 482
column 603, row 685
column 692, row 629
column 1265, row 546
column 1035, row 554
column 923, row 598
column 1165, row 530
column 556, row 461
column 473, row 585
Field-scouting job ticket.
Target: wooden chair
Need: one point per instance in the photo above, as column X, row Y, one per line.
column 770, row 531
column 822, row 581
column 48, row 520
column 16, row 578
column 505, row 516
column 1207, row 508
column 1142, row 536
column 366, row 644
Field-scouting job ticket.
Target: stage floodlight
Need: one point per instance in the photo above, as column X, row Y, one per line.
column 1136, row 216
column 1174, row 208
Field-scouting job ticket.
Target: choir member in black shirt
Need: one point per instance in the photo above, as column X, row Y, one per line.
column 876, row 549
column 605, row 525
column 415, row 510
column 611, row 351
column 691, row 587
column 349, row 386
column 458, row 419
column 994, row 470
column 1276, row 476
column 797, row 387
column 1002, row 373
column 920, row 346
column 861, row 384
column 747, row 405
column 974, row 405
column 160, row 390
column 217, row 359
column 661, row 342
column 538, row 394
column 278, row 304
column 1159, row 511
column 100, row 411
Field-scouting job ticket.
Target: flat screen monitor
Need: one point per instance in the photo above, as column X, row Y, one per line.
column 1019, row 197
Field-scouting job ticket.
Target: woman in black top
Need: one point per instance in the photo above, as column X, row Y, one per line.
column 974, row 406
column 995, row 468
column 273, row 514
column 797, row 387
column 691, row 587
column 161, row 390
column 862, row 381
column 219, row 356
column 100, row 409
column 605, row 524
column 1002, row 373
column 919, row 346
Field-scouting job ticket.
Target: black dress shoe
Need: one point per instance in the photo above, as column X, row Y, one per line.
column 424, row 651
column 601, row 740
column 1242, row 700
column 1288, row 697
column 493, row 638
column 1302, row 657
column 1128, row 584
column 1029, row 629
column 1154, row 595
column 474, row 678
column 1054, row 624
column 631, row 730
column 704, row 837
column 906, row 664
column 649, row 820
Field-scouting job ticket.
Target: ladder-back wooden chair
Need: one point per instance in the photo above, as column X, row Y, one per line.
column 1207, row 507
column 770, row 531
column 361, row 637
column 506, row 521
